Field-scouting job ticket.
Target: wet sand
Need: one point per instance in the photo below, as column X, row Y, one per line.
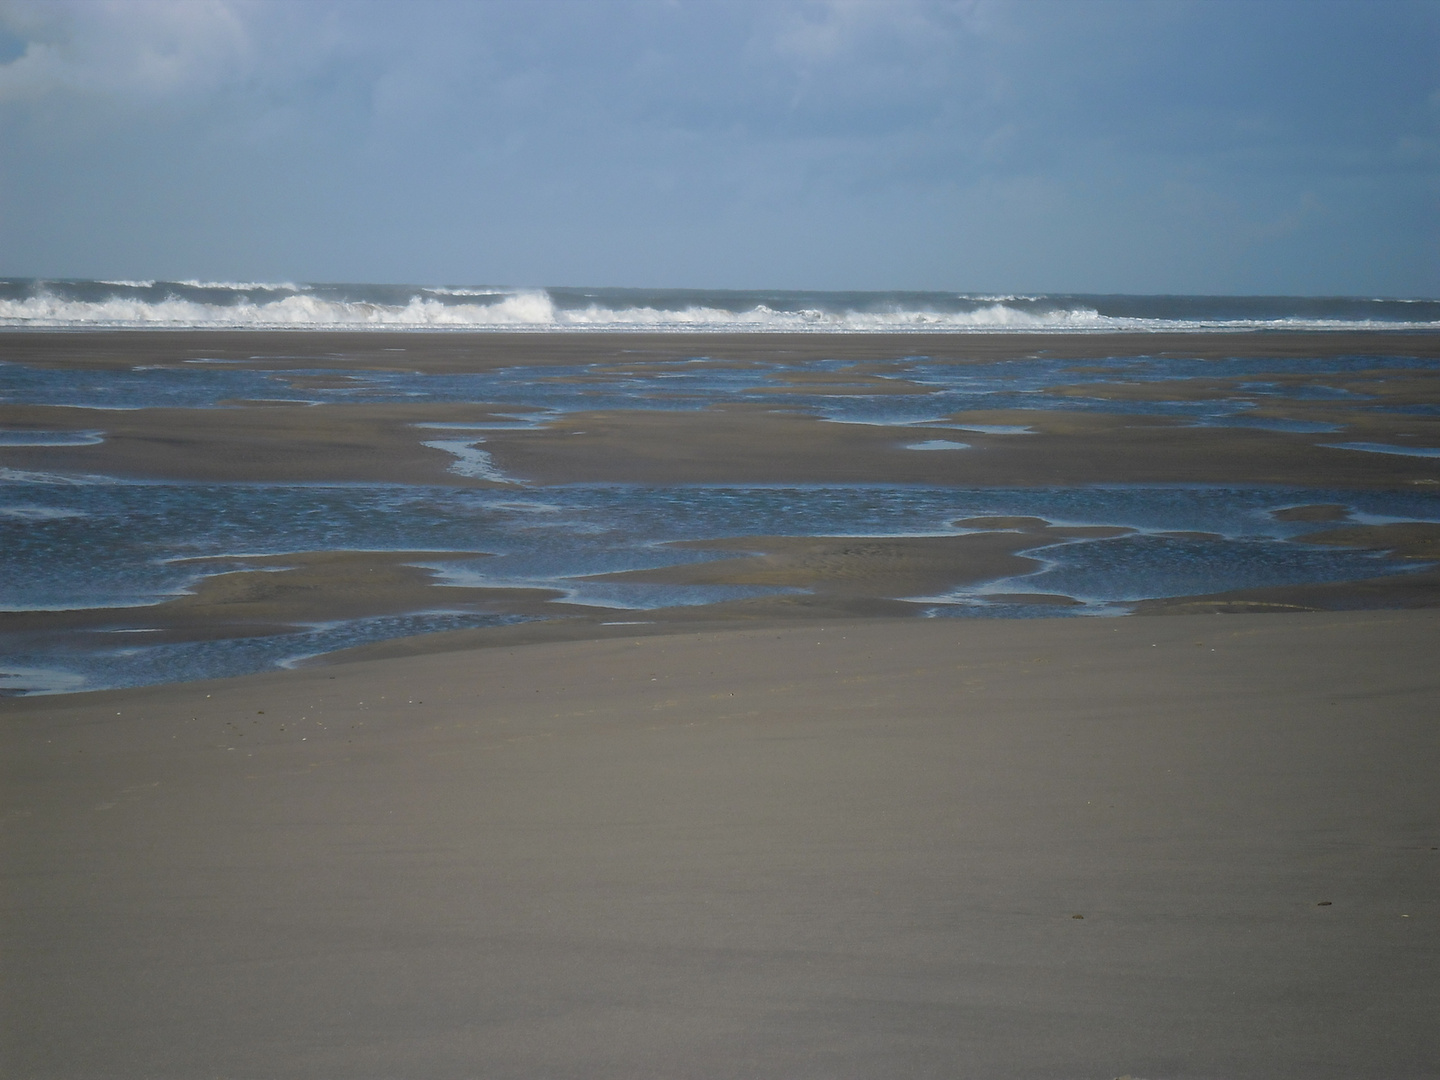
column 441, row 352
column 871, row 567
column 1186, row 847
column 744, row 445
column 378, row 442
column 373, row 442
column 723, row 445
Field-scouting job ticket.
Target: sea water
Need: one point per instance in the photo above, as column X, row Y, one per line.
column 71, row 540
column 52, row 303
column 103, row 543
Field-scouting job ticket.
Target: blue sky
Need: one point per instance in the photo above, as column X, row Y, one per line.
column 1173, row 146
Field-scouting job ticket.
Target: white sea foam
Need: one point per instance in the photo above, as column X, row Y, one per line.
column 445, row 290
column 521, row 310
column 23, row 476
column 1387, row 448
column 240, row 286
column 938, row 444
column 535, row 309
column 14, row 437
column 470, row 460
column 39, row 513
column 994, row 429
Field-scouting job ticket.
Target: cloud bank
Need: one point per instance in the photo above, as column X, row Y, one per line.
column 1170, row 146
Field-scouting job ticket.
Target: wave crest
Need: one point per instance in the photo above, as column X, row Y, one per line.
column 530, row 309
column 441, row 308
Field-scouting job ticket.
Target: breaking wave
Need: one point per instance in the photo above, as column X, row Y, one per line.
column 260, row 305
column 236, row 286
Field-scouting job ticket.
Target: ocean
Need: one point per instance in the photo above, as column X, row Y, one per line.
column 35, row 303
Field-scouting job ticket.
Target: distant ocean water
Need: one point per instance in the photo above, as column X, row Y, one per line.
column 54, row 304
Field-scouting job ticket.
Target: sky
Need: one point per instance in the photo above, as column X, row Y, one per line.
column 1252, row 147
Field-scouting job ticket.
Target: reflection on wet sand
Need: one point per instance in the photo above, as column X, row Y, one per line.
column 706, row 477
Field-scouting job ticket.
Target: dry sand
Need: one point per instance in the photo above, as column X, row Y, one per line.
column 856, row 851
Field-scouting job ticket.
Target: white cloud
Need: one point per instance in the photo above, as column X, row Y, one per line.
column 328, row 129
column 127, row 49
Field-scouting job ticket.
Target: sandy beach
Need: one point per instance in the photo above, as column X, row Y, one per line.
column 1188, row 847
column 802, row 540
column 793, row 834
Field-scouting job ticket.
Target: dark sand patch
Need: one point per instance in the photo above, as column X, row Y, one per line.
column 862, row 576
column 871, row 567
column 881, row 567
column 843, row 853
column 1312, row 512
column 1402, row 539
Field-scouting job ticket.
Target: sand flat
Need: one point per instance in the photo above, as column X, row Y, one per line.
column 358, row 441
column 441, row 352
column 853, row 851
column 736, row 444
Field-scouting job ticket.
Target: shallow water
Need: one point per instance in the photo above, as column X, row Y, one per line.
column 71, row 541
column 942, row 388
column 1388, row 448
column 102, row 544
